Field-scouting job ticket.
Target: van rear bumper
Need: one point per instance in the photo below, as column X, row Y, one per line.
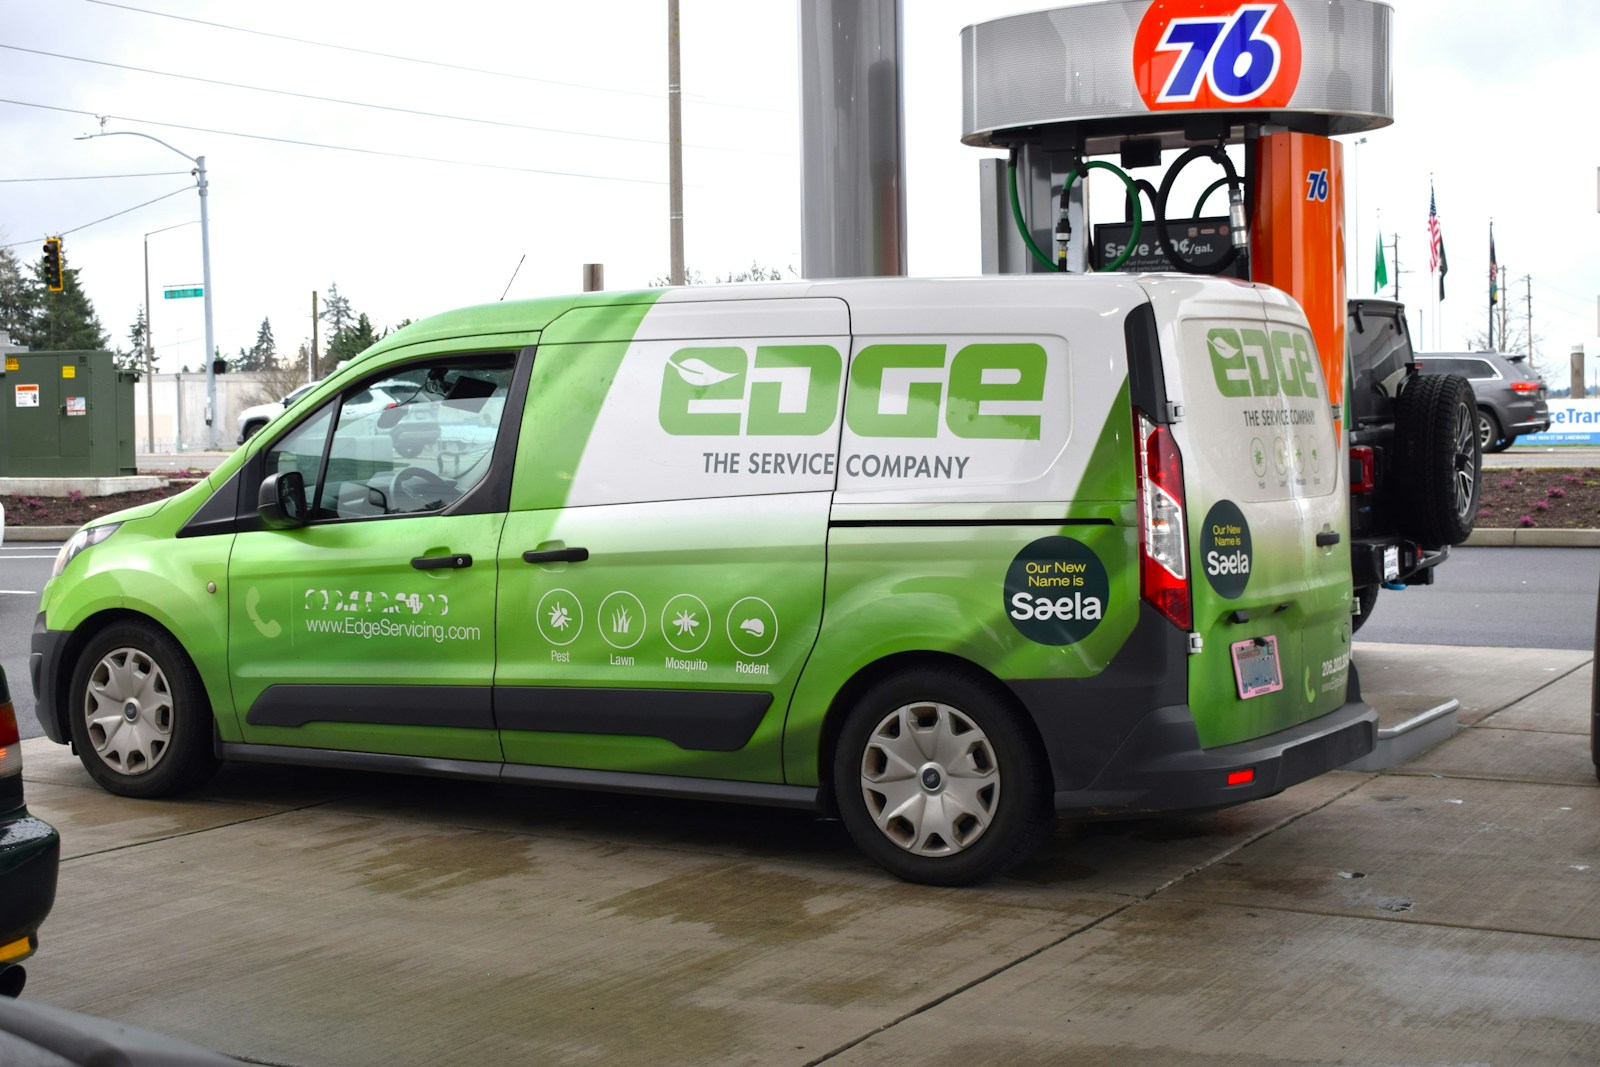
column 1161, row 766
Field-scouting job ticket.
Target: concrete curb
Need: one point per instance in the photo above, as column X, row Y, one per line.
column 1534, row 538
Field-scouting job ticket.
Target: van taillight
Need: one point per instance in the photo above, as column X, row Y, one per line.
column 1163, row 544
column 10, row 742
column 1363, row 469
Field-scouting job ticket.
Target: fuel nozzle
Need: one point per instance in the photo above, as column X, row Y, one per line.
column 1063, row 232
column 1238, row 220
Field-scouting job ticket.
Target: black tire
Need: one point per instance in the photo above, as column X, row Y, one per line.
column 1366, row 600
column 1441, row 458
column 136, row 669
column 252, row 428
column 1001, row 773
column 1489, row 439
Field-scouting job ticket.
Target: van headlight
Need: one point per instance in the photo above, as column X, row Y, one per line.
column 84, row 538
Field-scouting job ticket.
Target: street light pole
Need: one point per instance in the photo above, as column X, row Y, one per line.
column 205, row 268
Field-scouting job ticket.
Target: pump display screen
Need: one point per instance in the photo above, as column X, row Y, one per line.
column 1203, row 242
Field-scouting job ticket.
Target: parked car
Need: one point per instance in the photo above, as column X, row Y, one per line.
column 946, row 557
column 1415, row 457
column 30, row 854
column 252, row 418
column 1511, row 395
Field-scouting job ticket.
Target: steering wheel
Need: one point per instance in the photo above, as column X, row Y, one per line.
column 419, row 489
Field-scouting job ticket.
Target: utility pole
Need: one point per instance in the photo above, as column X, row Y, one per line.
column 1529, row 279
column 674, row 145
column 149, row 362
column 312, row 368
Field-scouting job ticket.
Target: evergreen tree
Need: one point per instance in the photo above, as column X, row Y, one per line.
column 138, row 336
column 336, row 312
column 264, row 353
column 66, row 321
column 349, row 342
column 19, row 298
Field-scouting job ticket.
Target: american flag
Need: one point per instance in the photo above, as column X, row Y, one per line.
column 1436, row 261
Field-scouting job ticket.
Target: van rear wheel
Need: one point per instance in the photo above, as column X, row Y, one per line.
column 139, row 715
column 1436, row 424
column 938, row 782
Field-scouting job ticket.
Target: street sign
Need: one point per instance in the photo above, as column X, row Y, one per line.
column 179, row 294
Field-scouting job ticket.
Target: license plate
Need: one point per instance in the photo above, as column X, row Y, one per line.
column 1391, row 563
column 1255, row 667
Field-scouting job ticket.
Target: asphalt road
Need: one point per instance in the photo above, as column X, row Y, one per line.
column 24, row 568
column 1496, row 597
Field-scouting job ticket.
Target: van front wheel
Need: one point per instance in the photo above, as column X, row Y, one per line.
column 937, row 781
column 139, row 715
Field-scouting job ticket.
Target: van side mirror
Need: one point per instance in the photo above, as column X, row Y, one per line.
column 282, row 502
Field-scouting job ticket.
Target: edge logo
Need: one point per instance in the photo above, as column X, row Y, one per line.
column 1201, row 54
column 896, row 391
column 1248, row 362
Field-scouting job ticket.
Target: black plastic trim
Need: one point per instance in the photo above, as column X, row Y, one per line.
column 462, row 706
column 768, row 794
column 1162, row 767
column 1147, row 381
column 1150, row 670
column 44, row 668
column 219, row 514
column 701, row 720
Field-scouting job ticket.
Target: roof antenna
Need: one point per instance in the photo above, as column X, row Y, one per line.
column 514, row 275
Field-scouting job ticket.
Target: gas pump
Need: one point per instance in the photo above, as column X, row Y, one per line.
column 1255, row 90
column 1130, row 79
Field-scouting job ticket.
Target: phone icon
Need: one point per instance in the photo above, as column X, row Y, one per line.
column 269, row 628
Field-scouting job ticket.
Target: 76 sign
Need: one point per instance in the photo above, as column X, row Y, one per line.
column 1214, row 54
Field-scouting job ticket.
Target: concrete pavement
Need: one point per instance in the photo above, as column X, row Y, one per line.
column 1443, row 911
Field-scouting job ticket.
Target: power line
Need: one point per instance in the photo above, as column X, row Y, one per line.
column 108, row 218
column 418, row 59
column 338, row 100
column 380, row 55
column 336, row 147
column 92, row 177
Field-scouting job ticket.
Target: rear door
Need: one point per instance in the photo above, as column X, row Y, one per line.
column 1267, row 518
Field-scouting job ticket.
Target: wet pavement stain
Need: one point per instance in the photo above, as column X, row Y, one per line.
column 428, row 865
column 741, row 901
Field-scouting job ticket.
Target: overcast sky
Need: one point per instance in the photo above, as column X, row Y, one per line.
column 1492, row 101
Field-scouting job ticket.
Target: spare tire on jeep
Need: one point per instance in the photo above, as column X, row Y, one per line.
column 1440, row 458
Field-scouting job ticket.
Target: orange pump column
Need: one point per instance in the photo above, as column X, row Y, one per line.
column 1297, row 237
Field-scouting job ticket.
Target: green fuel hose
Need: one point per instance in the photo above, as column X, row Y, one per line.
column 1083, row 169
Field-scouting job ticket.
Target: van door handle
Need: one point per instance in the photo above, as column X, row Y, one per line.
column 556, row 555
column 1327, row 537
column 440, row 563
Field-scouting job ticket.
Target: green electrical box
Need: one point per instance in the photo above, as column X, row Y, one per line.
column 66, row 415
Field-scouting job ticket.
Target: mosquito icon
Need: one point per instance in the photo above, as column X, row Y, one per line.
column 686, row 623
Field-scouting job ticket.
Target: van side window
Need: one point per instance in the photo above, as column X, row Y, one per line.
column 412, row 441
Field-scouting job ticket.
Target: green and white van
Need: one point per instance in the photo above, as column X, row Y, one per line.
column 945, row 557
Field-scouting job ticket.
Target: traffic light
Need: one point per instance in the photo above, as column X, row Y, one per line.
column 53, row 278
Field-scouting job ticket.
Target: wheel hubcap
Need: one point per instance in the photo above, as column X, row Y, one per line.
column 930, row 779
column 1466, row 469
column 128, row 709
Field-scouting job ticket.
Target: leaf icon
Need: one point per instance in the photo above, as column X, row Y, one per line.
column 699, row 373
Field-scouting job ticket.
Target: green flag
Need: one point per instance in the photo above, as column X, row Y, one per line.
column 1380, row 275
